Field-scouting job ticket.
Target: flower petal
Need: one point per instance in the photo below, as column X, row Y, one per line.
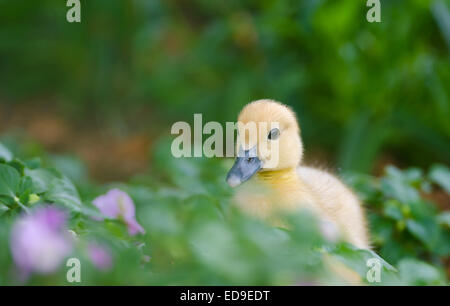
column 134, row 227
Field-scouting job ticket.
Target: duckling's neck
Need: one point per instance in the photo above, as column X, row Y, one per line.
column 287, row 187
column 283, row 179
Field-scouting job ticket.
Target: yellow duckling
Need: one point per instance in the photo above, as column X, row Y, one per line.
column 272, row 157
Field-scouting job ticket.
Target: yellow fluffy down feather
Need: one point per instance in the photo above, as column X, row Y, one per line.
column 288, row 185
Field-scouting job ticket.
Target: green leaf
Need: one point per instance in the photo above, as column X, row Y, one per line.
column 444, row 219
column 7, row 200
column 24, row 197
column 425, row 230
column 9, row 180
column 62, row 191
column 25, row 184
column 417, row 273
column 33, row 163
column 33, row 198
column 440, row 175
column 357, row 259
column 347, row 250
column 91, row 211
column 5, row 154
column 393, row 211
column 3, row 209
column 40, row 178
column 18, row 165
column 398, row 185
column 59, row 189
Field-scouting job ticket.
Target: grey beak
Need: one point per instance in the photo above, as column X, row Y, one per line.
column 245, row 166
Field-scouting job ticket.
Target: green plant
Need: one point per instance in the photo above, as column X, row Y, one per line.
column 194, row 236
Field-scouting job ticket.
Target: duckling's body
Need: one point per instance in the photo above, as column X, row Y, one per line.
column 339, row 203
column 287, row 186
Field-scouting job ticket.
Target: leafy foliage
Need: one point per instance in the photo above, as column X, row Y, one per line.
column 360, row 88
column 404, row 222
column 194, row 235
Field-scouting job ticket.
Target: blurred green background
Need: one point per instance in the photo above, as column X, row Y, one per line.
column 366, row 94
column 96, row 100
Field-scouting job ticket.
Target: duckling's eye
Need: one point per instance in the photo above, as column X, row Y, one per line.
column 273, row 134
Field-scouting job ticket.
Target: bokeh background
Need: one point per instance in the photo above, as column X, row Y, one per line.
column 96, row 100
column 105, row 89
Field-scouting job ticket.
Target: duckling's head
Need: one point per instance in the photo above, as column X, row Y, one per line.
column 268, row 140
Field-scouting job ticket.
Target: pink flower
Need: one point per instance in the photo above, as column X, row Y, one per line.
column 117, row 204
column 99, row 256
column 39, row 241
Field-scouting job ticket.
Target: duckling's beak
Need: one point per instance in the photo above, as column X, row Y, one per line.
column 245, row 166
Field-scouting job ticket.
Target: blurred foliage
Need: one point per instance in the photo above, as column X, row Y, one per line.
column 194, row 236
column 403, row 222
column 358, row 88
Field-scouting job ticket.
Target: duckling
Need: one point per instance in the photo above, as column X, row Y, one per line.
column 272, row 158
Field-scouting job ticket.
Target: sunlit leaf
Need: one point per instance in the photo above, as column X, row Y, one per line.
column 440, row 175
column 5, row 154
column 9, row 180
